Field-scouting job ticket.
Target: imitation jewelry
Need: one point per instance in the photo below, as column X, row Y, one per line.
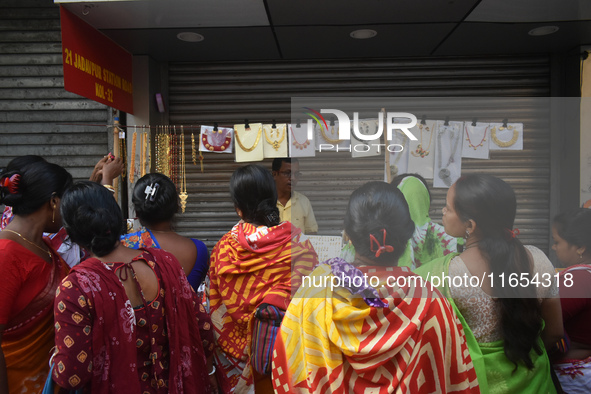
column 504, row 144
column 298, row 145
column 420, row 152
column 277, row 143
column 29, row 242
column 216, row 141
column 256, row 142
column 444, row 173
column 470, row 144
column 183, row 194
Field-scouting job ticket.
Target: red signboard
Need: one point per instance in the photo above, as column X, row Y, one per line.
column 94, row 66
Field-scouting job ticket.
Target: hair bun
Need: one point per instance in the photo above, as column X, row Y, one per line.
column 10, row 187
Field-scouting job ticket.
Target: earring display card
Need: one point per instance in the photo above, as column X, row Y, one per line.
column 328, row 140
column 448, row 153
column 249, row 146
column 476, row 140
column 506, row 136
column 366, row 148
column 275, row 144
column 422, row 151
column 299, row 144
column 219, row 141
column 398, row 160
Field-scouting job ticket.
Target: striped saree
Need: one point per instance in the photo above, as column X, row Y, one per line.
column 340, row 341
column 251, row 266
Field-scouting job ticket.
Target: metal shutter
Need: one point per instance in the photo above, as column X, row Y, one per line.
column 230, row 92
column 33, row 103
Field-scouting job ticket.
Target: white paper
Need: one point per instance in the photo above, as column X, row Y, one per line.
column 448, row 153
column 329, row 139
column 326, row 247
column 422, row 151
column 299, row 144
column 366, row 148
column 476, row 140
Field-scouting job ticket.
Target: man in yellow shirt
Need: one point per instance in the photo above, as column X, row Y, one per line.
column 293, row 206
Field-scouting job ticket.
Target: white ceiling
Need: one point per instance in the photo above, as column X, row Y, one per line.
column 319, row 29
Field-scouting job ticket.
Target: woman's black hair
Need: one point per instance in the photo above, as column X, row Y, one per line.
column 92, row 217
column 253, row 192
column 155, row 199
column 35, row 181
column 491, row 203
column 574, row 226
column 374, row 207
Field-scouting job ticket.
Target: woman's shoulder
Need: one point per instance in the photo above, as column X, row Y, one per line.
column 541, row 262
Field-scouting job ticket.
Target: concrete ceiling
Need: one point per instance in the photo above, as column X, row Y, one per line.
column 320, row 29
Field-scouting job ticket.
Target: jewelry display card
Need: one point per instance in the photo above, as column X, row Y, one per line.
column 299, row 144
column 476, row 140
column 219, row 141
column 448, row 153
column 366, row 148
column 248, row 142
column 422, row 152
column 398, row 160
column 329, row 139
column 509, row 137
column 275, row 140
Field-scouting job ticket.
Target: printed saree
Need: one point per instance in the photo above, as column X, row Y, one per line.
column 29, row 336
column 250, row 266
column 103, row 312
column 372, row 339
column 496, row 374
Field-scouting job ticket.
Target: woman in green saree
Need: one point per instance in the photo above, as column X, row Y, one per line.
column 507, row 325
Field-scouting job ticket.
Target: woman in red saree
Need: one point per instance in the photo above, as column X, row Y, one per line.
column 371, row 326
column 126, row 321
column 30, row 270
column 251, row 266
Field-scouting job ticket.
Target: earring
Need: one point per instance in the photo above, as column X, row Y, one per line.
column 53, row 215
column 467, row 234
column 580, row 255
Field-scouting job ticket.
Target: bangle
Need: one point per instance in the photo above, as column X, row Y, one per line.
column 110, row 188
column 212, row 370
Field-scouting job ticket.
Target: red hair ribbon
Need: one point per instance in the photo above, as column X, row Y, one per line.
column 11, row 183
column 377, row 248
column 513, row 233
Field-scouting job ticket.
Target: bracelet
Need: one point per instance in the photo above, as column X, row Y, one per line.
column 212, row 370
column 110, row 188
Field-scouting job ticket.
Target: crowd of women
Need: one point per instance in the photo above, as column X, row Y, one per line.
column 88, row 308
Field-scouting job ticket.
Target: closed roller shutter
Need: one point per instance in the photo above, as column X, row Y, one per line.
column 36, row 113
column 229, row 93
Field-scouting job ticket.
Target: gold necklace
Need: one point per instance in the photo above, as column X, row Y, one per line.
column 183, row 194
column 327, row 138
column 504, row 144
column 297, row 144
column 32, row 243
column 420, row 152
column 256, row 142
column 277, row 143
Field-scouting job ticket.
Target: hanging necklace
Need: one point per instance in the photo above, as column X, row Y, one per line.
column 31, row 243
column 470, row 144
column 444, row 173
column 394, row 166
column 183, row 194
column 256, row 142
column 420, row 152
column 277, row 143
column 216, row 141
column 297, row 144
column 327, row 138
column 504, row 144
